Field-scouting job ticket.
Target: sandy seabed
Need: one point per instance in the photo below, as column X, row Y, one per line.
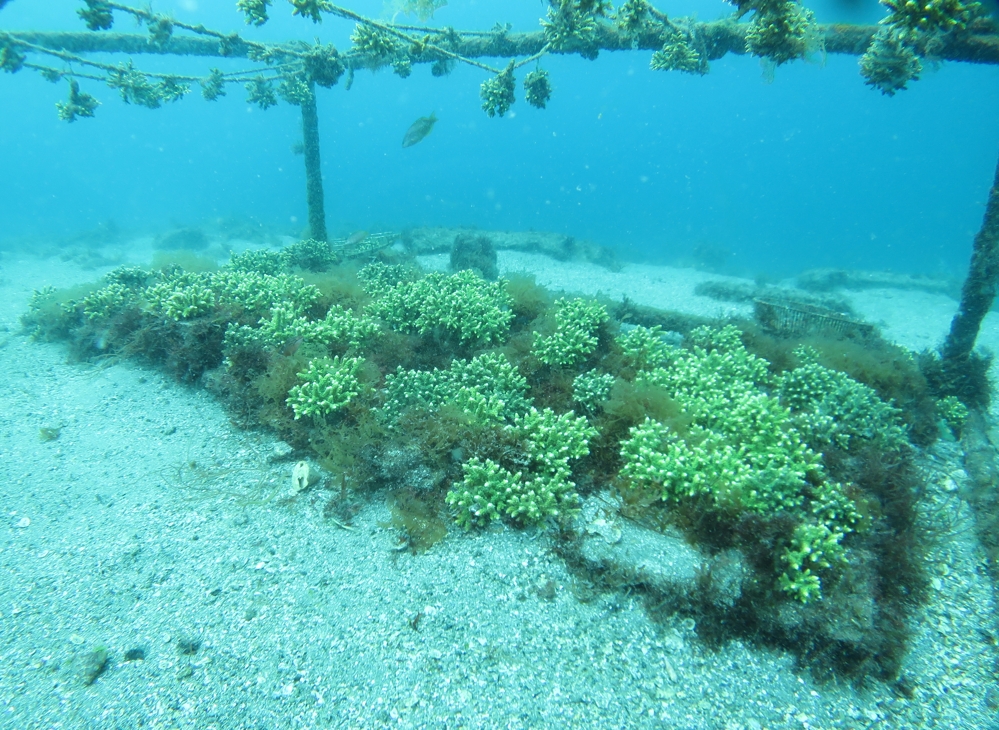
column 155, row 530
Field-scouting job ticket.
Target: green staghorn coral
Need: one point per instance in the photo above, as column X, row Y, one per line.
column 497, row 92
column 487, row 387
column 570, row 28
column 256, row 293
column 550, row 442
column 254, row 10
column 929, row 16
column 889, row 64
column 108, row 301
column 576, row 336
column 378, row 278
column 260, row 91
column 79, row 104
column 634, row 17
column 678, row 54
column 953, row 412
column 329, row 384
column 782, row 32
column 97, row 15
column 214, row 86
column 340, row 328
column 463, row 306
column 643, row 348
column 745, row 450
column 537, row 88
column 183, row 296
column 591, row 389
column 830, row 407
column 312, row 9
column 374, row 42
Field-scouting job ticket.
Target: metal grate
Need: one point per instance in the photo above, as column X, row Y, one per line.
column 794, row 318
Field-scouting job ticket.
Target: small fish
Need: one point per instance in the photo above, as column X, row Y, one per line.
column 290, row 348
column 419, row 129
column 355, row 238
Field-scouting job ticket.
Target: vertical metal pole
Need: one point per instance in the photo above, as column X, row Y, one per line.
column 979, row 291
column 313, row 171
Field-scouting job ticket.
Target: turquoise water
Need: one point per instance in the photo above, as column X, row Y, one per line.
column 813, row 169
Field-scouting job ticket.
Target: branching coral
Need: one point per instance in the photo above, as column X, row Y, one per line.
column 577, row 325
column 328, row 385
column 543, row 490
column 182, row 297
column 214, row 86
column 889, row 64
column 571, row 28
column 746, row 451
column 487, row 387
column 78, row 104
column 783, row 32
column 97, row 15
column 678, row 54
column 259, row 91
column 340, row 328
column 312, row 9
column 108, row 301
column 497, row 92
column 374, row 43
column 537, row 88
column 634, row 17
column 930, row 16
column 463, row 305
column 591, row 389
column 254, row 10
column 643, row 348
column 324, row 65
column 832, row 408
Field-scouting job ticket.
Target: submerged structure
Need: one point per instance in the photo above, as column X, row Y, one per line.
column 783, row 451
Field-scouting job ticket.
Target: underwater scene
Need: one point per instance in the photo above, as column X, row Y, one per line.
column 477, row 364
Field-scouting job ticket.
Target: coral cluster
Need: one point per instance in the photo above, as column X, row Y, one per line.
column 893, row 58
column 77, row 105
column 497, row 92
column 678, row 54
column 930, row 16
column 254, row 10
column 537, row 88
column 328, row 384
column 487, row 387
column 591, row 389
column 260, row 91
column 577, row 325
column 544, row 489
column 312, row 9
column 511, row 406
column 746, row 450
column 889, row 64
column 463, row 306
column 571, row 28
column 782, row 32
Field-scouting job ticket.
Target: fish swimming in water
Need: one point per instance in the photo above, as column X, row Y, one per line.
column 355, row 238
column 419, row 129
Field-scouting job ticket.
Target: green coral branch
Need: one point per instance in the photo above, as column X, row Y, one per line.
column 576, row 336
column 463, row 305
column 78, row 104
column 328, row 386
column 488, row 388
column 549, row 442
column 748, row 445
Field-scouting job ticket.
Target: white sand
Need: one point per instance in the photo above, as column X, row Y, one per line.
column 153, row 523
